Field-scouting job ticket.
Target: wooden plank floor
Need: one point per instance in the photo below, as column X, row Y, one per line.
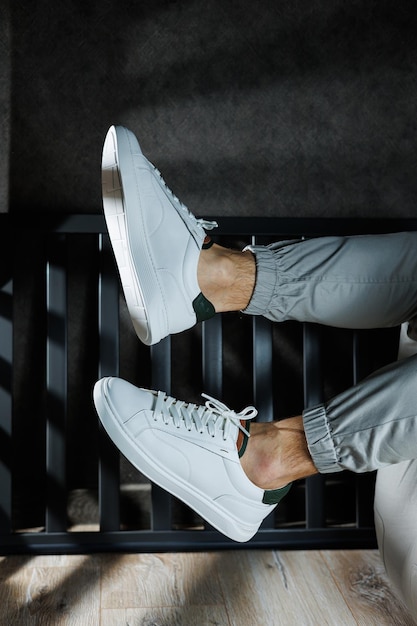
column 230, row 588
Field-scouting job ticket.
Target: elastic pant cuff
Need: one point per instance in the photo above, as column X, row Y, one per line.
column 266, row 279
column 319, row 440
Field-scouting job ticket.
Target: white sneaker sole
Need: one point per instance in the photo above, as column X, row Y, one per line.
column 217, row 516
column 116, row 205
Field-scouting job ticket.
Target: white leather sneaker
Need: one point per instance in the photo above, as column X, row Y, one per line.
column 155, row 239
column 189, row 450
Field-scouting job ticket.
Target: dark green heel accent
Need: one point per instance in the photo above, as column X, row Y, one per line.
column 274, row 496
column 203, row 308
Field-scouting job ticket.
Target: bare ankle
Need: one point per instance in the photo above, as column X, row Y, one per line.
column 277, row 454
column 226, row 277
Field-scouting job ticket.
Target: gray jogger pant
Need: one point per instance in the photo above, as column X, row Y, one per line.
column 352, row 282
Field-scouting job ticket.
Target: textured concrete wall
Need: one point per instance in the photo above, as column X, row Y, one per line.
column 5, row 53
column 272, row 108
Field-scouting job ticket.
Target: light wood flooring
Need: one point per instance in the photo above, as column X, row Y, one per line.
column 230, row 588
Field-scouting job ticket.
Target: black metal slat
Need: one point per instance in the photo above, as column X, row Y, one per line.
column 161, row 365
column 108, row 327
column 94, row 222
column 212, row 362
column 212, row 356
column 360, row 355
column 56, row 384
column 161, row 501
column 184, row 540
column 6, row 368
column 263, row 384
column 56, row 539
column 365, row 483
column 313, row 395
column 263, row 381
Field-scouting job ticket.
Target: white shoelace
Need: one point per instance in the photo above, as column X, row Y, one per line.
column 206, row 224
column 214, row 417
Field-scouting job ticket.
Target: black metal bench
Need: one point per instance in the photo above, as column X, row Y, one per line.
column 39, row 441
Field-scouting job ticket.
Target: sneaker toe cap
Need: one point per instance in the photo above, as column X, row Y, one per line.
column 125, row 399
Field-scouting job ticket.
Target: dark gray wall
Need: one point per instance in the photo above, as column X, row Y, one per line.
column 5, row 70
column 268, row 108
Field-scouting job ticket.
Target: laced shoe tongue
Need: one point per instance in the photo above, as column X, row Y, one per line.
column 214, row 416
column 235, row 418
column 273, row 496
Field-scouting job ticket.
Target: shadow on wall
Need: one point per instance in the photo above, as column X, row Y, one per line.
column 5, row 54
column 304, row 109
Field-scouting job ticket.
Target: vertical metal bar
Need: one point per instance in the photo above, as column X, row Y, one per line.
column 262, row 377
column 365, row 483
column 161, row 501
column 262, row 380
column 262, row 369
column 161, row 365
column 56, row 383
column 313, row 394
column 108, row 327
column 212, row 356
column 360, row 356
column 212, row 361
column 6, row 369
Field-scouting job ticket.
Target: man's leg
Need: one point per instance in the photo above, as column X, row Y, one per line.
column 227, row 277
column 367, row 427
column 352, row 282
column 155, row 239
column 359, row 282
column 171, row 281
column 172, row 278
column 191, row 451
column 204, row 456
column 277, row 453
column 366, row 281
